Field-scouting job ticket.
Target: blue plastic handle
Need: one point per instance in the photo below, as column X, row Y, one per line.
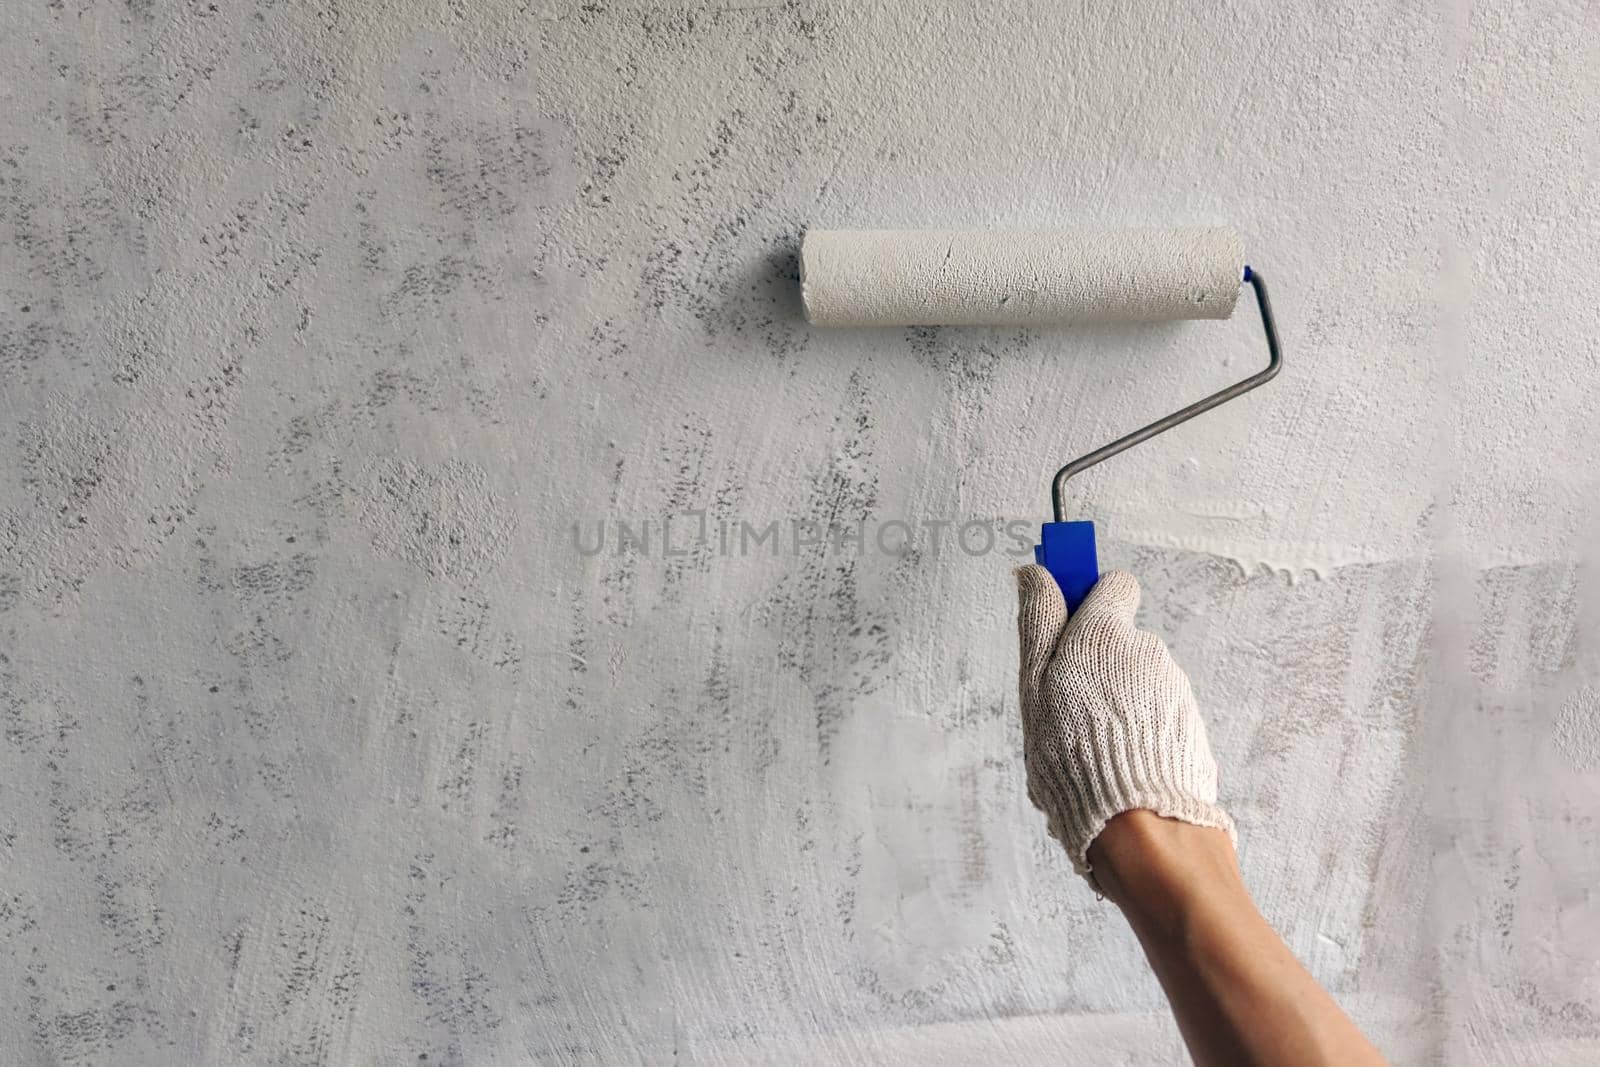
column 1066, row 550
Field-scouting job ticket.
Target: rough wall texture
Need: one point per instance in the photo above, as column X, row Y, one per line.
column 320, row 324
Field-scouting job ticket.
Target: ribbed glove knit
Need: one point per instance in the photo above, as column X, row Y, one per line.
column 1109, row 723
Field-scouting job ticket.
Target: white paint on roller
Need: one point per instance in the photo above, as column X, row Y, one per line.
column 1577, row 730
column 1018, row 277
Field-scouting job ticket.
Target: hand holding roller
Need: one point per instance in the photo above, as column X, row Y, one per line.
column 952, row 277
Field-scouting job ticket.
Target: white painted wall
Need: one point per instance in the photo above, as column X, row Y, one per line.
column 319, row 326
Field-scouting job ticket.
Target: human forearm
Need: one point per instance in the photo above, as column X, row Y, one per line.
column 1239, row 995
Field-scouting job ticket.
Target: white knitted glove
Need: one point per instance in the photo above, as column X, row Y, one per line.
column 1109, row 723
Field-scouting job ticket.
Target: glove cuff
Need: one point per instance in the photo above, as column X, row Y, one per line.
column 1079, row 814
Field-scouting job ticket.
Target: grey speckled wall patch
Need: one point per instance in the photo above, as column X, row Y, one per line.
column 321, row 742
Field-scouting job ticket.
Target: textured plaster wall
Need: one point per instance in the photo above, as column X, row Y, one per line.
column 320, row 324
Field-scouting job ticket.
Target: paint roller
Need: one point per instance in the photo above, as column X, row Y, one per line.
column 1038, row 278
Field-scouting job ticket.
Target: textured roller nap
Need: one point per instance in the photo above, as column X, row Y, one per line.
column 1018, row 277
